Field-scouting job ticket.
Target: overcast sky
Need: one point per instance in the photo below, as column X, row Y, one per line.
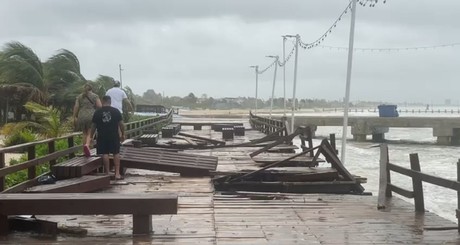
column 207, row 46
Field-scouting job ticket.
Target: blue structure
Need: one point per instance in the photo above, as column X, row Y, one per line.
column 388, row 111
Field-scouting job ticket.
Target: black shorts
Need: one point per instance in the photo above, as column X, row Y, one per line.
column 108, row 146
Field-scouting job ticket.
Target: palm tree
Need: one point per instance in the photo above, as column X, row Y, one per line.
column 126, row 113
column 63, row 79
column 57, row 81
column 47, row 123
column 102, row 84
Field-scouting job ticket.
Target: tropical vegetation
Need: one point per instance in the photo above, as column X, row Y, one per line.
column 55, row 82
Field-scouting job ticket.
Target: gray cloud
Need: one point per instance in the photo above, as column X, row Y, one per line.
column 206, row 46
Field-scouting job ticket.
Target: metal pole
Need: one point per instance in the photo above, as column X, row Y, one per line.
column 256, row 69
column 257, row 86
column 347, row 88
column 273, row 87
column 297, row 38
column 284, row 75
column 121, row 81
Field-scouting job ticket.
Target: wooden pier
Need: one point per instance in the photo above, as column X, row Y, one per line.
column 208, row 216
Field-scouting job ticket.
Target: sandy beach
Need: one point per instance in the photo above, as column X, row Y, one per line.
column 232, row 113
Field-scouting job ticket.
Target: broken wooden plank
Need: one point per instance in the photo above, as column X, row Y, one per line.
column 87, row 183
column 273, row 164
column 212, row 141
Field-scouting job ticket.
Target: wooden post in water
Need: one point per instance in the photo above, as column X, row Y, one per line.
column 417, row 184
column 384, row 177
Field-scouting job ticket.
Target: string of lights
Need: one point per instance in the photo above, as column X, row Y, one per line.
column 370, row 3
column 266, row 68
column 329, row 30
column 417, row 48
column 288, row 57
column 304, row 45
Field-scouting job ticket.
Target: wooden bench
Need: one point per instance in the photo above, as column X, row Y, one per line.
column 167, row 161
column 227, row 133
column 149, row 139
column 141, row 206
column 76, row 167
column 170, row 130
column 239, row 130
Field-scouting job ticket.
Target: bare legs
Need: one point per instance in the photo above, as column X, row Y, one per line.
column 116, row 162
column 106, row 161
column 87, row 137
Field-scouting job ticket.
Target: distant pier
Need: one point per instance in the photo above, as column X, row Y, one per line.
column 445, row 129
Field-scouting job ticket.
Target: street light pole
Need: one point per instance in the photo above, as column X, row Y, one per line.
column 347, row 88
column 274, row 80
column 256, row 68
column 297, row 40
column 121, row 81
column 284, row 75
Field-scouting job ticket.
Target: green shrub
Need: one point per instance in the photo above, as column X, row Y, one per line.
column 22, row 136
column 40, row 151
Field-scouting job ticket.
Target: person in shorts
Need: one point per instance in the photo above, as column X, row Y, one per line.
column 83, row 110
column 109, row 122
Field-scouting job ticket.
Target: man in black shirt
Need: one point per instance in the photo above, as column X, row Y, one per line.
column 108, row 120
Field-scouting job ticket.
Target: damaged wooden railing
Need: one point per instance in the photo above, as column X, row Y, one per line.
column 134, row 129
column 386, row 188
column 268, row 125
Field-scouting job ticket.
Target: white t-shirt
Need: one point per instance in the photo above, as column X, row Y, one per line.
column 117, row 95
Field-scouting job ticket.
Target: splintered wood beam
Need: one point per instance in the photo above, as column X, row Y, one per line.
column 213, row 141
column 277, row 142
column 272, row 165
column 332, row 158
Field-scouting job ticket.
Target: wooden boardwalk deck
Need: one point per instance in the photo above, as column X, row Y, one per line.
column 207, row 217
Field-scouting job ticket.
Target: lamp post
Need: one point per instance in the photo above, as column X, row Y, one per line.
column 121, row 81
column 256, row 68
column 297, row 40
column 347, row 88
column 276, row 57
column 284, row 75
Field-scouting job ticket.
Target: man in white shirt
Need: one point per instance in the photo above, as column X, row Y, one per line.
column 117, row 95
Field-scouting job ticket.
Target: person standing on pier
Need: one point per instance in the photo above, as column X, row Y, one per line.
column 118, row 96
column 83, row 110
column 108, row 122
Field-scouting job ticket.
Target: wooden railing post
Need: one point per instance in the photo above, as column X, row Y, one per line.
column 384, row 177
column 71, row 143
column 31, row 171
column 51, row 149
column 388, row 192
column 417, row 184
column 458, row 197
column 2, row 165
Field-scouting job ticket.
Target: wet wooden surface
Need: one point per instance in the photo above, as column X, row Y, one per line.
column 206, row 217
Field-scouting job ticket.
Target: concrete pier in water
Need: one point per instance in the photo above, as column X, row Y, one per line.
column 446, row 129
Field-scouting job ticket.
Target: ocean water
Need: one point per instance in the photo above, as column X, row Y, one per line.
column 362, row 158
